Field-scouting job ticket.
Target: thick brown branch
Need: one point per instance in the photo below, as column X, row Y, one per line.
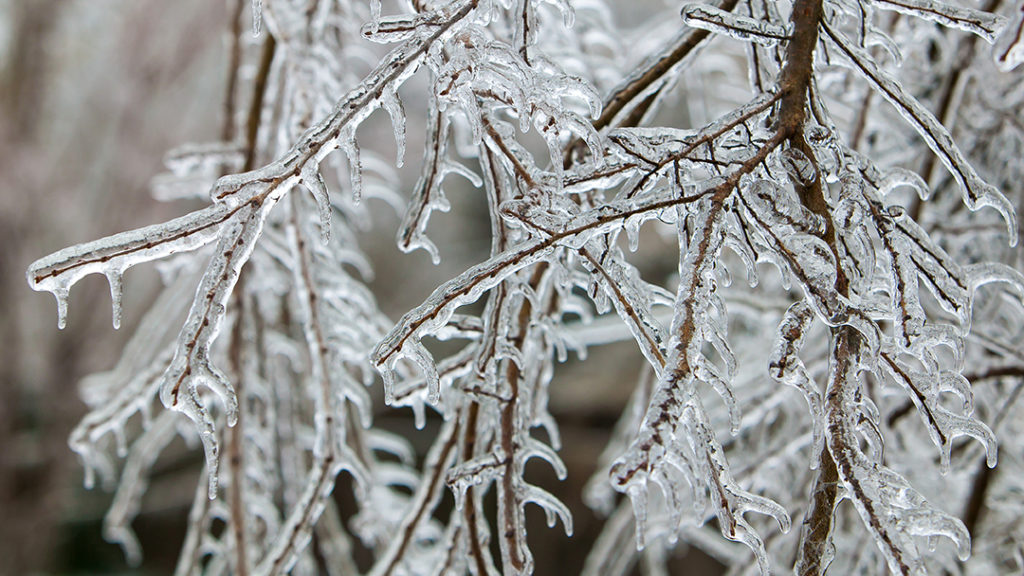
column 847, row 343
column 795, row 84
column 798, row 71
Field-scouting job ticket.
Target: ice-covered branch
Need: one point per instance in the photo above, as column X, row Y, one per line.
column 984, row 24
column 976, row 192
column 892, row 510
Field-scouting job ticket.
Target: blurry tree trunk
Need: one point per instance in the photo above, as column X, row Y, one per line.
column 33, row 465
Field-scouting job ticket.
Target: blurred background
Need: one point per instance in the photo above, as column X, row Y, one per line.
column 92, row 93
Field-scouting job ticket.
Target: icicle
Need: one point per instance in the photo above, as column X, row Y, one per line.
column 375, row 13
column 387, row 373
column 671, row 491
column 61, row 294
column 633, row 233
column 121, row 441
column 995, row 272
column 393, row 106
column 257, row 16
column 355, row 166
column 898, row 177
column 638, row 497
column 533, row 448
column 742, row 248
column 704, row 372
column 415, row 351
column 419, row 414
column 553, row 508
column 116, row 291
column 211, row 451
column 314, row 182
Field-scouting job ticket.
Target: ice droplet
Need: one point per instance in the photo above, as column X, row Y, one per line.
column 393, row 106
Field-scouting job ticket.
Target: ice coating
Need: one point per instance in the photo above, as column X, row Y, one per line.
column 1008, row 51
column 736, row 26
column 984, row 24
column 976, row 192
column 786, row 366
column 257, row 17
column 894, row 512
column 113, row 255
column 575, row 211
